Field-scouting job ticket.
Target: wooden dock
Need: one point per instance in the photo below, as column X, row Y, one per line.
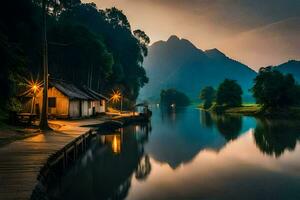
column 21, row 161
column 25, row 164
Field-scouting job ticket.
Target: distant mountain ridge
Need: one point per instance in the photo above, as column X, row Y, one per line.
column 290, row 67
column 177, row 63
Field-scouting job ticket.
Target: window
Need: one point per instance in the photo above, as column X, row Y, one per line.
column 52, row 102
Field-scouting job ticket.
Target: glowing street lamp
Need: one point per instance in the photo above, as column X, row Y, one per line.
column 34, row 87
column 116, row 97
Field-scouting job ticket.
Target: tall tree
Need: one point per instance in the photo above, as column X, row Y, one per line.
column 229, row 93
column 208, row 95
column 275, row 90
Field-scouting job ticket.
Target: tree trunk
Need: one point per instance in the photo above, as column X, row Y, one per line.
column 44, row 115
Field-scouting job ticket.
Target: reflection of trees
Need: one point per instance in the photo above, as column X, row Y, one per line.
column 171, row 115
column 229, row 126
column 143, row 169
column 273, row 137
column 206, row 119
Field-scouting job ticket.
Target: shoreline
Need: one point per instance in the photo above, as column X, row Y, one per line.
column 255, row 110
column 26, row 157
column 59, row 162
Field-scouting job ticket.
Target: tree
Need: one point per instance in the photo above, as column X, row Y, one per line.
column 128, row 49
column 229, row 94
column 143, row 39
column 82, row 59
column 275, row 90
column 173, row 97
column 86, row 46
column 208, row 95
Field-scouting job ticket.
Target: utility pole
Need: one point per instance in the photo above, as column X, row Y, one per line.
column 44, row 115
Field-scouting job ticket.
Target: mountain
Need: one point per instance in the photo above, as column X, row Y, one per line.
column 290, row 67
column 177, row 63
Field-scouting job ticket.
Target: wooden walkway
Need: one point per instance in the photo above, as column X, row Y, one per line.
column 21, row 161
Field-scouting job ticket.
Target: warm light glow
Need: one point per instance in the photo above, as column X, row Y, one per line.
column 116, row 96
column 33, row 86
column 116, row 144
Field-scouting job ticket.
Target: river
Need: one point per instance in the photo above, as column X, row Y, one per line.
column 189, row 154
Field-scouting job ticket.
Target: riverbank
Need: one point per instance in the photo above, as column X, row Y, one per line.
column 21, row 160
column 255, row 110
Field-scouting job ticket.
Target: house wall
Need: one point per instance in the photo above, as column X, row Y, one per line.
column 100, row 106
column 74, row 111
column 62, row 102
column 26, row 103
column 85, row 108
column 103, row 106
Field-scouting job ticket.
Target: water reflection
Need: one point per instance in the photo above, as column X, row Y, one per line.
column 274, row 137
column 206, row 119
column 114, row 140
column 190, row 154
column 105, row 172
column 229, row 126
column 177, row 136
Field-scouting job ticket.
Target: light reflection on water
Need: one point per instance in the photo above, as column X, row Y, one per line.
column 190, row 155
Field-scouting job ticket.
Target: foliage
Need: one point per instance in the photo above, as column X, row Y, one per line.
column 14, row 105
column 14, row 25
column 275, row 90
column 128, row 49
column 172, row 96
column 229, row 94
column 84, row 57
column 86, row 46
column 208, row 95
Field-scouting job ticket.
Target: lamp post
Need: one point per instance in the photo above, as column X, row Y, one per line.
column 34, row 88
column 117, row 96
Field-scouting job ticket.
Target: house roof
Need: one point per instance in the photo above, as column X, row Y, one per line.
column 94, row 94
column 73, row 92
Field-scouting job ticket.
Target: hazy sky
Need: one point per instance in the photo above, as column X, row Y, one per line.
column 255, row 32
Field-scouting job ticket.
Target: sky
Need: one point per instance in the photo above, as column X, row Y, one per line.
column 255, row 32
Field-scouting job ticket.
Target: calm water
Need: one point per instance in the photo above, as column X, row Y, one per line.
column 190, row 155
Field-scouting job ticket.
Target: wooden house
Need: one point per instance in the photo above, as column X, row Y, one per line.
column 65, row 100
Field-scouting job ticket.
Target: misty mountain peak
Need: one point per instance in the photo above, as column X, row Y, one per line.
column 175, row 42
column 215, row 53
column 173, row 38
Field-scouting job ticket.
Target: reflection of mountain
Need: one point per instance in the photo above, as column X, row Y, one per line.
column 187, row 136
column 105, row 172
column 274, row 137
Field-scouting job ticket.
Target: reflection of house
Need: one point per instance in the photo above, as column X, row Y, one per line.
column 65, row 100
column 114, row 141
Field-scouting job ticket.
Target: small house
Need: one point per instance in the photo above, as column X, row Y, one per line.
column 65, row 100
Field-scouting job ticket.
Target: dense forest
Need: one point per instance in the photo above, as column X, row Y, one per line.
column 86, row 46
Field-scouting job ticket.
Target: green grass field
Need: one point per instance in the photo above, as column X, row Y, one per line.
column 245, row 109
